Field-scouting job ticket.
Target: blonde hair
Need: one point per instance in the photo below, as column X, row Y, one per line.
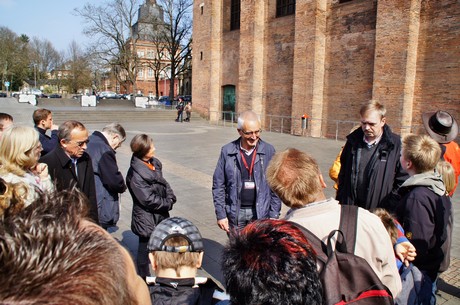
column 388, row 222
column 446, row 170
column 11, row 198
column 373, row 106
column 173, row 260
column 294, row 176
column 17, row 150
column 422, row 151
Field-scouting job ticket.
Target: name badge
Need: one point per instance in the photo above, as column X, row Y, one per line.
column 249, row 185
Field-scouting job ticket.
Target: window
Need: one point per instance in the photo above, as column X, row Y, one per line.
column 150, row 72
column 150, row 54
column 140, row 54
column 140, row 73
column 235, row 10
column 285, row 7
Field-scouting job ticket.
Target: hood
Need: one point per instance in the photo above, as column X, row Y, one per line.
column 431, row 180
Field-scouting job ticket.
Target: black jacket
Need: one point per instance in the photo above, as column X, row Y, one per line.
column 425, row 214
column 109, row 181
column 182, row 291
column 152, row 196
column 61, row 171
column 385, row 172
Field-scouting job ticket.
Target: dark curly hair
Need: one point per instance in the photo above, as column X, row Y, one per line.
column 270, row 262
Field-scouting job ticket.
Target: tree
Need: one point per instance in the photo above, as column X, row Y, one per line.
column 111, row 24
column 14, row 58
column 176, row 36
column 79, row 73
column 43, row 56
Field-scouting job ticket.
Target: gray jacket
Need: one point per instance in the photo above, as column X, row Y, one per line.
column 227, row 183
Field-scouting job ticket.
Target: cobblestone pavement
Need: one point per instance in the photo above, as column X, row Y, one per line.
column 189, row 153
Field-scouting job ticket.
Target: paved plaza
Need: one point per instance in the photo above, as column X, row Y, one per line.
column 189, row 152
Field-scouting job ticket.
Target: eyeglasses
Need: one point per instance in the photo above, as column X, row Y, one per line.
column 81, row 143
column 250, row 133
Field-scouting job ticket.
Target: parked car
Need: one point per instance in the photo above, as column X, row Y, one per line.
column 2, row 94
column 165, row 100
column 107, row 94
column 76, row 96
column 55, row 95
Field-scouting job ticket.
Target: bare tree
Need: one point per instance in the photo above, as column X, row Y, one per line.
column 111, row 24
column 43, row 56
column 79, row 73
column 176, row 36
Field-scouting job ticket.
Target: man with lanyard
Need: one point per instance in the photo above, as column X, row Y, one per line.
column 240, row 190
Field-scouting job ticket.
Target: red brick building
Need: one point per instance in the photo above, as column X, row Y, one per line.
column 326, row 58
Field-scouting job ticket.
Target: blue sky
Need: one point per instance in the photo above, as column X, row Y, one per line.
column 50, row 19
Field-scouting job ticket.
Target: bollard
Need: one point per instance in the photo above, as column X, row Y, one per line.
column 305, row 121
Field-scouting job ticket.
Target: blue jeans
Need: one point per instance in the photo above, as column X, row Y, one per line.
column 245, row 216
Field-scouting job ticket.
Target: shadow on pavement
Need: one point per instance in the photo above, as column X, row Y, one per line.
column 211, row 260
column 448, row 288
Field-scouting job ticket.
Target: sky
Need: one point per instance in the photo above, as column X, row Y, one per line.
column 47, row 19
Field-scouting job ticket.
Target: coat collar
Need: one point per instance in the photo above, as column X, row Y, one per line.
column 356, row 138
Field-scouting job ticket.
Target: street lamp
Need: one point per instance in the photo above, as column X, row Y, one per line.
column 35, row 76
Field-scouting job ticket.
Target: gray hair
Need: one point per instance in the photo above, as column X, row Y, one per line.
column 115, row 128
column 67, row 127
column 247, row 115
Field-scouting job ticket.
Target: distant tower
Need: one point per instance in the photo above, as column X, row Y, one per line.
column 149, row 14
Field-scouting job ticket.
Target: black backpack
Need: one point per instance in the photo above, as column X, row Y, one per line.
column 345, row 277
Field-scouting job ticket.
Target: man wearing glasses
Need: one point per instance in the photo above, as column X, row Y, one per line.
column 240, row 190
column 70, row 166
column 371, row 172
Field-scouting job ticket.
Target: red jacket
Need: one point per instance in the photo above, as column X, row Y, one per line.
column 452, row 155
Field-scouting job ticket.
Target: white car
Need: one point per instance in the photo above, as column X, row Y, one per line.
column 107, row 94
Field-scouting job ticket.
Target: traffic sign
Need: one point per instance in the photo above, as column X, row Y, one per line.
column 7, row 84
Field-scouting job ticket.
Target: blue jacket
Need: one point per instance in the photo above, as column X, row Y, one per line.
column 227, row 183
column 109, row 181
column 48, row 143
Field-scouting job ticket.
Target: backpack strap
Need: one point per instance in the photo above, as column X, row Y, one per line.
column 348, row 225
column 316, row 243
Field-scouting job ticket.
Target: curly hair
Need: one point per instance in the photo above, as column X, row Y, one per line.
column 271, row 262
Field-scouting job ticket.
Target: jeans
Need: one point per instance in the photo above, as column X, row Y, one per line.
column 246, row 216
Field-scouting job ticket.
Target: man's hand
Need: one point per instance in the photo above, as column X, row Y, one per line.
column 405, row 251
column 223, row 224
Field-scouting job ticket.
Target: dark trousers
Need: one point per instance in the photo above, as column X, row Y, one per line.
column 143, row 263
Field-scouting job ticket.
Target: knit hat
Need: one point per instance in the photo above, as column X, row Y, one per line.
column 172, row 227
column 440, row 125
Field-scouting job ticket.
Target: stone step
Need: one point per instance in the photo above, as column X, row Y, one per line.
column 122, row 115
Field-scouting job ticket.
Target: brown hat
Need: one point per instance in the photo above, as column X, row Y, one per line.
column 440, row 125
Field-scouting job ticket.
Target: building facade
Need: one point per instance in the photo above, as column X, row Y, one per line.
column 325, row 58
